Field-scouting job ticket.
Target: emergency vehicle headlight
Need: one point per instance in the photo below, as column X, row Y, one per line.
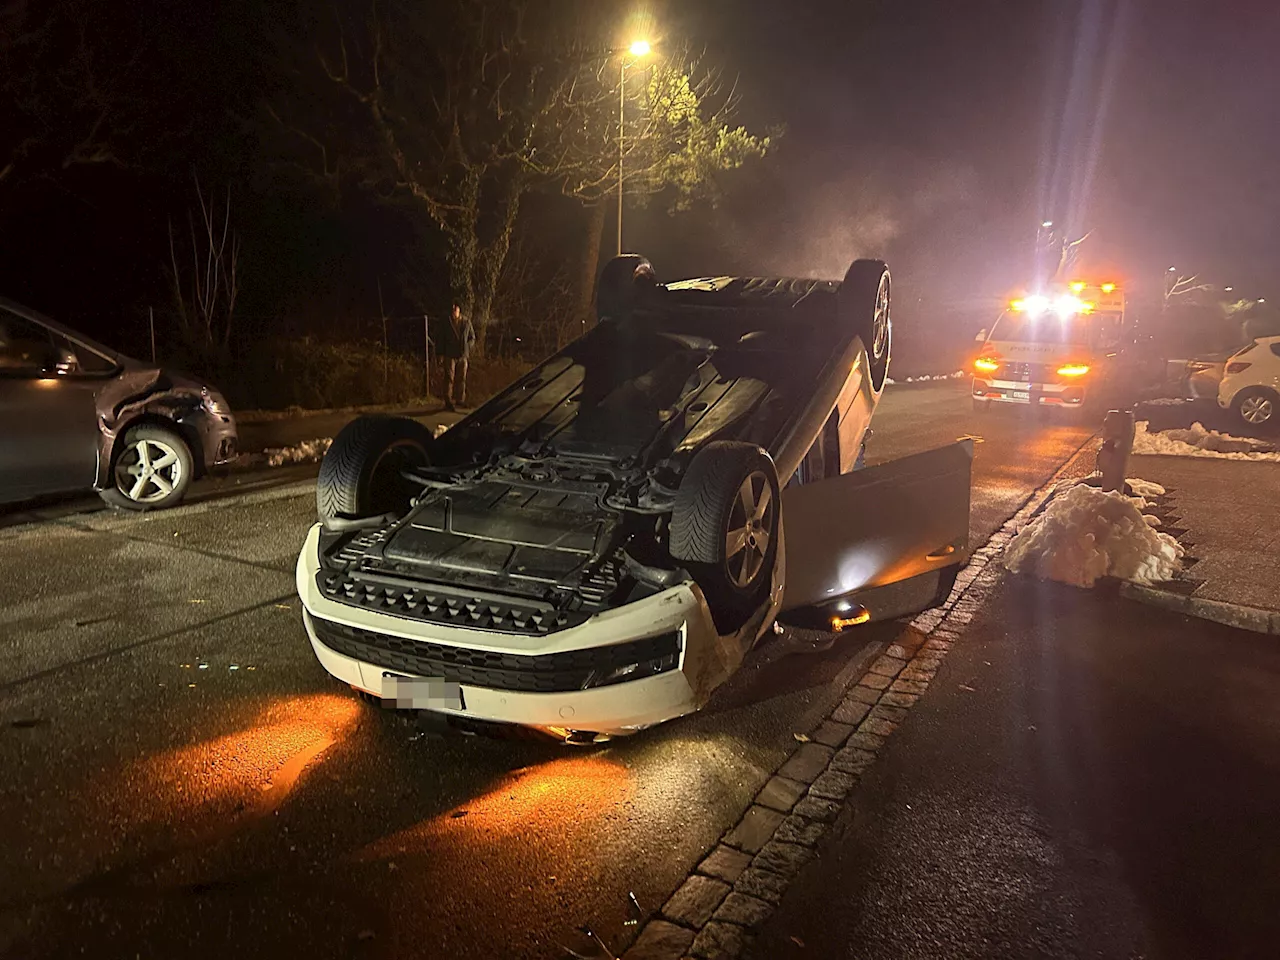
column 1073, row 370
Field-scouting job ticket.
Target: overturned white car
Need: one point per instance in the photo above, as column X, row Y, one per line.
column 597, row 548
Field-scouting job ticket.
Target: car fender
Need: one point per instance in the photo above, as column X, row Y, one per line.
column 144, row 396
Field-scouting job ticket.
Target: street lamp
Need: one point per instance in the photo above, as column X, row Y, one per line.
column 638, row 49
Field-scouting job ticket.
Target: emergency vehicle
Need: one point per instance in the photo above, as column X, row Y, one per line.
column 1056, row 348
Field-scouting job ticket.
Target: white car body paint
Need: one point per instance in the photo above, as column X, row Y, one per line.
column 707, row 658
column 1263, row 357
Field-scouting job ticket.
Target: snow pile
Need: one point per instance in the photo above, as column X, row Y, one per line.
column 1145, row 488
column 1200, row 442
column 309, row 451
column 1086, row 534
column 959, row 374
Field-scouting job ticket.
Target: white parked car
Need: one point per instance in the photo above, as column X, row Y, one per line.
column 1250, row 385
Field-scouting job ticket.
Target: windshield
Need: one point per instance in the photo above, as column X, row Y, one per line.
column 1019, row 328
column 623, row 384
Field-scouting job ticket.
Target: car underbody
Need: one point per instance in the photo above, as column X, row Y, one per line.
column 540, row 574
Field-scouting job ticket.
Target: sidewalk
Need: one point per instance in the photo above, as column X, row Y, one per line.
column 1225, row 515
column 1085, row 776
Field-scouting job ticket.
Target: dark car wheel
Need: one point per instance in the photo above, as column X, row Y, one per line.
column 724, row 527
column 151, row 469
column 1256, row 407
column 361, row 474
column 865, row 302
column 621, row 284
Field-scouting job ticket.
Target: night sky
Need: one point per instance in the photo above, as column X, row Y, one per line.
column 935, row 134
column 939, row 134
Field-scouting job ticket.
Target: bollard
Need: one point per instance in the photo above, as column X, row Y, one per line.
column 1117, row 444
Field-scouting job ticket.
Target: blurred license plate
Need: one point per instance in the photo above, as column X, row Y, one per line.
column 420, row 693
column 1020, row 394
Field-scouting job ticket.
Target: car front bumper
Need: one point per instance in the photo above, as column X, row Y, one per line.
column 705, row 659
column 1029, row 394
column 217, row 437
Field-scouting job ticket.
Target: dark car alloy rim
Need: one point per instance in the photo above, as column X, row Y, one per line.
column 148, row 471
column 750, row 530
column 880, row 322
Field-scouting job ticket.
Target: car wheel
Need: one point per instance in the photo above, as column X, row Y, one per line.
column 151, row 469
column 1256, row 406
column 725, row 528
column 981, row 406
column 865, row 301
column 361, row 473
column 620, row 286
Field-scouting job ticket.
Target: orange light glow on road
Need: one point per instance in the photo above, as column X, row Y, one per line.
column 261, row 763
column 548, row 800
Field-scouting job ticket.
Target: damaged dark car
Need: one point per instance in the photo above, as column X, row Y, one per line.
column 77, row 415
column 599, row 546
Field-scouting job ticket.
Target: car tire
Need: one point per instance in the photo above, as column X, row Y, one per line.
column 1256, row 407
column 866, row 298
column 981, row 406
column 360, row 475
column 151, row 469
column 621, row 284
column 729, row 493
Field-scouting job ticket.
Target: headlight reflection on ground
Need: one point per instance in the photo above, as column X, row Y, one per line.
column 255, row 766
column 547, row 799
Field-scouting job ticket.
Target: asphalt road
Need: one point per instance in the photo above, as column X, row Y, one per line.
column 1087, row 777
column 182, row 779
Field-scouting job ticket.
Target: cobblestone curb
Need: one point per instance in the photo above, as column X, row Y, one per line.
column 714, row 913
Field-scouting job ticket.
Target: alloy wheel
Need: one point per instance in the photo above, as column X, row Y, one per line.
column 148, row 471
column 750, row 530
column 880, row 322
column 1257, row 409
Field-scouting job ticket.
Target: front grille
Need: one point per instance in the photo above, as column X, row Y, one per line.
column 450, row 606
column 548, row 673
column 1028, row 373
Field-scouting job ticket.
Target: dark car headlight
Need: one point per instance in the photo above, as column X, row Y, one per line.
column 666, row 660
column 214, row 403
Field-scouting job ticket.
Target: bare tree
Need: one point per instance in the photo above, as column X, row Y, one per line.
column 202, row 273
column 669, row 129
column 463, row 107
column 442, row 107
column 1177, row 285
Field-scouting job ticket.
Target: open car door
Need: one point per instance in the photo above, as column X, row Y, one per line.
column 877, row 543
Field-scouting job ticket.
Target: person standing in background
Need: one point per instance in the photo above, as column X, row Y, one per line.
column 462, row 337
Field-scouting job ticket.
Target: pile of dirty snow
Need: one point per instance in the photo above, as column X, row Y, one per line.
column 1144, row 489
column 1085, row 534
column 1198, row 441
column 928, row 377
column 313, row 451
column 308, row 451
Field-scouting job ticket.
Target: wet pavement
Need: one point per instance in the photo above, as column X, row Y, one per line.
column 1087, row 777
column 183, row 779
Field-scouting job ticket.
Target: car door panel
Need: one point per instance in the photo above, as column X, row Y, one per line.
column 851, row 536
column 48, row 436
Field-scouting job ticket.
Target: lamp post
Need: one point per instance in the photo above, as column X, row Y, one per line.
column 639, row 48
